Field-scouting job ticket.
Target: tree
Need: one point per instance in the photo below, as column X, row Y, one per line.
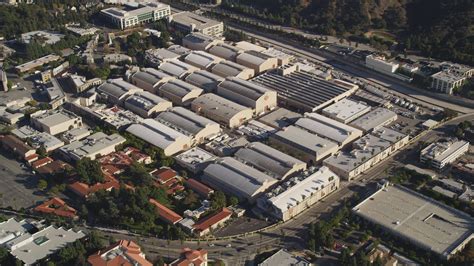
column 233, row 201
column 89, row 171
column 41, row 151
column 42, row 184
column 218, row 201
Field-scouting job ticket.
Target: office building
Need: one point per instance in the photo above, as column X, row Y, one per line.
column 189, row 123
column 10, row 117
column 304, row 90
column 42, row 37
column 179, row 92
column 170, row 140
column 95, row 145
column 28, row 66
column 257, row 61
column 47, row 141
column 247, row 93
column 426, row 223
column 346, row 110
column 440, row 154
column 221, row 110
column 446, row 81
column 55, row 121
column 204, row 80
column 80, row 83
column 195, row 159
column 230, row 69
column 379, row 63
column 303, row 144
column 75, row 134
column 329, row 129
column 202, row 60
column 147, row 104
column 269, row 160
column 30, row 242
column 189, row 22
column 150, row 79
column 374, row 119
column 130, row 17
column 199, row 41
column 298, row 193
column 123, row 252
column 177, row 68
column 367, row 152
column 117, row 90
column 226, row 51
column 236, row 178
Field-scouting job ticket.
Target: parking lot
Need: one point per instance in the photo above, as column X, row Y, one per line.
column 17, row 185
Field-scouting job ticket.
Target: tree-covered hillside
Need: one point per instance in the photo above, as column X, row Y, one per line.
column 441, row 28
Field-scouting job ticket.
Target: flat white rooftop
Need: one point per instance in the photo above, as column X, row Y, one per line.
column 422, row 220
column 346, row 110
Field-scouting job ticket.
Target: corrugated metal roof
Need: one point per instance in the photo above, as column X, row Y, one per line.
column 229, row 174
column 267, row 159
column 204, row 80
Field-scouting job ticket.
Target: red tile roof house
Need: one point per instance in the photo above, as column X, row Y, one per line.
column 137, row 155
column 41, row 162
column 115, row 163
column 205, row 225
column 124, row 253
column 165, row 213
column 168, row 179
column 57, row 207
column 19, row 148
column 53, row 167
column 190, row 257
column 199, row 188
column 84, row 190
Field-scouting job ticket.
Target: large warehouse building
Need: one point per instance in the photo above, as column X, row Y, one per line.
column 368, row 151
column 150, row 79
column 329, row 129
column 204, row 80
column 428, row 224
column 236, row 178
column 146, row 104
column 202, row 59
column 221, row 110
column 257, row 61
column 170, row 140
column 374, row 119
column 179, row 92
column 298, row 193
column 303, row 144
column 249, row 94
column 177, row 68
column 346, row 110
column 230, row 69
column 303, row 90
column 195, row 125
column 269, row 160
column 117, row 90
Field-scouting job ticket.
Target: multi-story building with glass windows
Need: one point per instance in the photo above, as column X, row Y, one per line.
column 129, row 17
